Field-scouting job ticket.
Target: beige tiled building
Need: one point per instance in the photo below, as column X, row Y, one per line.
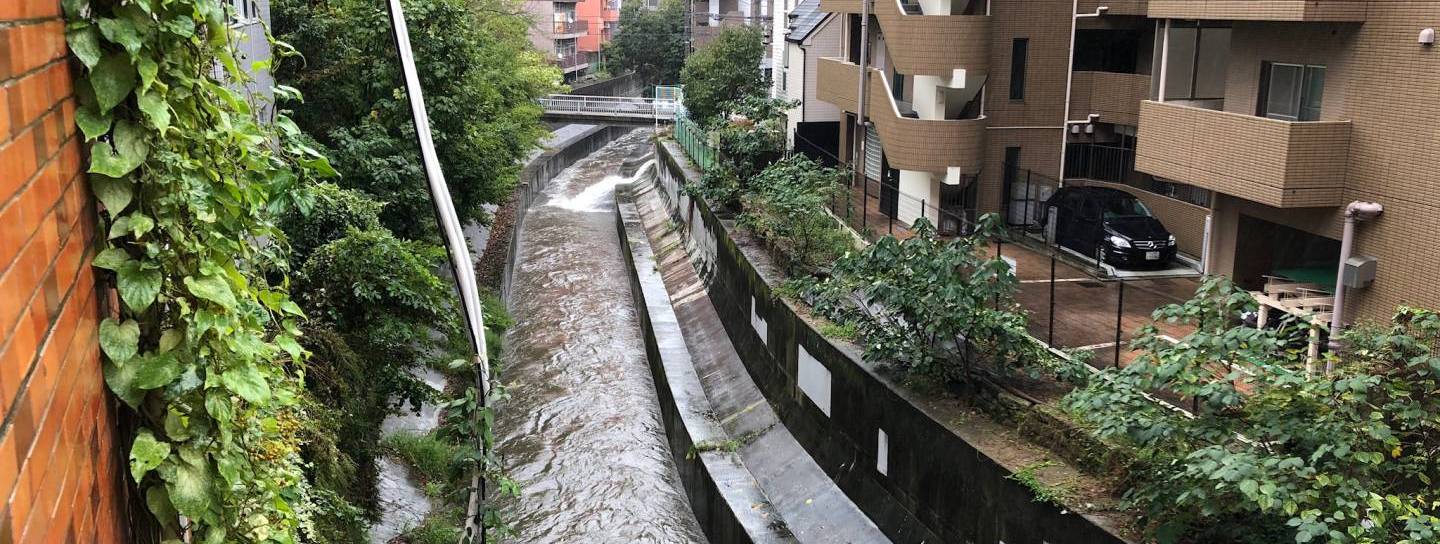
column 1246, row 126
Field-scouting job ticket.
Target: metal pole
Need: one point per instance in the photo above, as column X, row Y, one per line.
column 1050, row 336
column 865, row 203
column 459, row 252
column 1119, row 313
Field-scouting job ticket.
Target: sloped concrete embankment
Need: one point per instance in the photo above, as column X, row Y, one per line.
column 812, row 507
column 723, row 494
column 909, row 463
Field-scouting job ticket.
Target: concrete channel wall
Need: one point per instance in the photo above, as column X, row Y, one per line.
column 891, row 454
column 724, row 495
column 575, row 143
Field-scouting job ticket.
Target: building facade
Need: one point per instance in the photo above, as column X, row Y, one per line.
column 1247, row 127
column 573, row 32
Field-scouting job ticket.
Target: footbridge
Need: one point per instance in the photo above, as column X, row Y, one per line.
column 608, row 109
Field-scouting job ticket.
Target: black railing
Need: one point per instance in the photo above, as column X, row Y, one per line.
column 1100, row 162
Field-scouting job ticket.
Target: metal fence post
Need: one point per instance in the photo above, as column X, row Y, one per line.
column 1119, row 313
column 1050, row 335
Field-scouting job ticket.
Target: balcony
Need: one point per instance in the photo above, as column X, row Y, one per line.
column 1323, row 11
column 1285, row 164
column 1115, row 97
column 568, row 29
column 570, row 62
column 932, row 45
column 927, row 145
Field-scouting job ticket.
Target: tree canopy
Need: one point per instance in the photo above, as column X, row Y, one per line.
column 481, row 77
column 650, row 42
column 724, row 71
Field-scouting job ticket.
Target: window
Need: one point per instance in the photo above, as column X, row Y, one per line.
column 1197, row 62
column 1019, row 49
column 243, row 10
column 1291, row 92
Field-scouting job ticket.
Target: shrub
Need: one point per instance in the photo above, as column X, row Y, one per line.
column 918, row 303
column 787, row 207
column 1274, row 454
column 334, row 212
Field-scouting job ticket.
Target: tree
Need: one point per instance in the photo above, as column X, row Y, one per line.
column 334, row 212
column 481, row 77
column 650, row 42
column 724, row 71
column 786, row 207
column 1271, row 453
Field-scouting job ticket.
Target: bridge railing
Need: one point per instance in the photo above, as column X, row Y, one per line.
column 614, row 105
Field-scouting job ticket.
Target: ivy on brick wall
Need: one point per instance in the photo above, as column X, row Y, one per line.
column 203, row 346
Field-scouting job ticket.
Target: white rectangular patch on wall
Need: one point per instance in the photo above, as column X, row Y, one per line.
column 882, row 452
column 758, row 323
column 814, row 380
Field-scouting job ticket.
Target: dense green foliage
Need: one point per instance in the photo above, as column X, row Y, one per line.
column 650, row 41
column 205, row 349
column 334, row 212
column 931, row 306
column 786, row 206
column 746, row 143
column 1273, row 454
column 481, row 77
column 724, row 71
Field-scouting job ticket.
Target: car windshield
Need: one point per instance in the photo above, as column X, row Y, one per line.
column 1124, row 207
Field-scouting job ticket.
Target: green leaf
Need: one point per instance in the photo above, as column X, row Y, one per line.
column 93, row 124
column 156, row 110
column 138, row 287
column 85, row 44
column 148, row 69
column 247, row 382
column 121, row 31
column 156, row 370
column 159, row 502
column 114, row 193
column 121, row 380
column 112, row 78
column 146, row 454
column 119, row 341
column 126, row 151
column 212, row 288
column 288, row 343
column 139, row 224
column 189, row 482
column 74, row 9
column 110, row 259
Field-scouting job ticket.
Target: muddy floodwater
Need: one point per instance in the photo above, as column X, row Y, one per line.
column 581, row 431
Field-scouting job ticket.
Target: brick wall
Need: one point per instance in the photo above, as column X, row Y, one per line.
column 60, row 475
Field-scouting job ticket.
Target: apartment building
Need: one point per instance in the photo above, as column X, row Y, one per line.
column 708, row 17
column 573, row 32
column 812, row 126
column 1246, row 126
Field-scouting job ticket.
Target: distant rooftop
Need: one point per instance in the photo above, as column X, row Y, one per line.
column 804, row 19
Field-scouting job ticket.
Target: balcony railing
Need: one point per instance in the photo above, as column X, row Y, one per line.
column 928, row 145
column 569, row 27
column 1115, row 97
column 1284, row 164
column 935, row 45
column 1331, row 11
column 572, row 60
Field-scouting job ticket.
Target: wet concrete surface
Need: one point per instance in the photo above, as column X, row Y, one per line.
column 581, row 432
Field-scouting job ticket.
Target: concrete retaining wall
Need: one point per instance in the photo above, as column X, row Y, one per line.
column 885, row 447
column 627, row 84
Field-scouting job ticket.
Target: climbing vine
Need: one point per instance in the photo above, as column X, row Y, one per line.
column 203, row 346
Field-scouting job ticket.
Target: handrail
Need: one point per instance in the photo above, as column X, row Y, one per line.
column 613, row 105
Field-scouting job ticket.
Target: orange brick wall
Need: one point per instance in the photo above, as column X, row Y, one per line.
column 60, row 473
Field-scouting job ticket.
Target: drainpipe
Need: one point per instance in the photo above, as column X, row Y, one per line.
column 861, row 97
column 459, row 251
column 1069, row 80
column 1355, row 212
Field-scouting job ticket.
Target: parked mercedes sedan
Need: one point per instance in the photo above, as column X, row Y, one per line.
column 1111, row 225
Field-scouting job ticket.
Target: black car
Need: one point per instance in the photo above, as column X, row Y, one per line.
column 1111, row 225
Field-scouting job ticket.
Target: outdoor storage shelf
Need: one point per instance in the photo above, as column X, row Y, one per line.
column 1332, row 11
column 1115, row 97
column 934, row 45
column 927, row 145
column 1284, row 164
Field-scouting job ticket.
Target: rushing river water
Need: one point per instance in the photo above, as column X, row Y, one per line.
column 581, row 432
